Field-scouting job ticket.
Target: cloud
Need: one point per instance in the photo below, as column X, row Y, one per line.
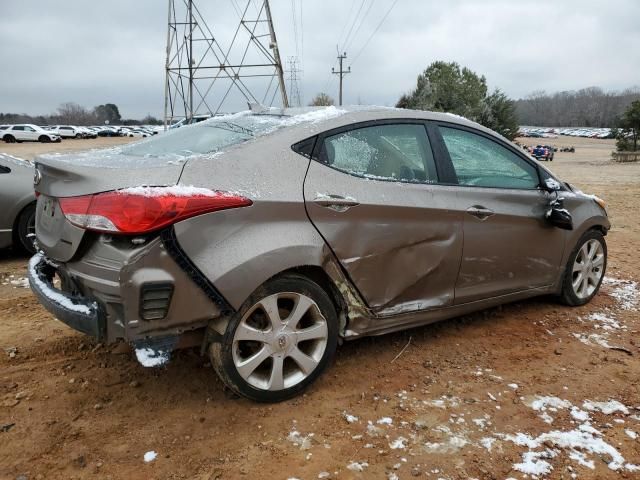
column 93, row 53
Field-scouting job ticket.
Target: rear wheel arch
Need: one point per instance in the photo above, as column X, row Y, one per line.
column 17, row 241
column 314, row 273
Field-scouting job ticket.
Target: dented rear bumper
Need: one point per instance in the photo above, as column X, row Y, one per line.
column 123, row 288
column 79, row 313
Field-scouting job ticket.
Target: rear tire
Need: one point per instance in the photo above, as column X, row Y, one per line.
column 279, row 341
column 9, row 139
column 26, row 225
column 585, row 269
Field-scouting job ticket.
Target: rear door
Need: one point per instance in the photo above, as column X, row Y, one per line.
column 372, row 192
column 508, row 244
column 18, row 132
column 30, row 133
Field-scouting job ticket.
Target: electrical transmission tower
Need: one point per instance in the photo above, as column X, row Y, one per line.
column 341, row 72
column 203, row 76
column 295, row 99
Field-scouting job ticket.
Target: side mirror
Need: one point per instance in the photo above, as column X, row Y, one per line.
column 551, row 185
column 557, row 215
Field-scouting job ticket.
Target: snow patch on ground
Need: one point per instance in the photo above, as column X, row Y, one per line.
column 349, row 418
column 299, row 440
column 148, row 357
column 22, row 282
column 150, row 456
column 607, row 408
column 357, row 466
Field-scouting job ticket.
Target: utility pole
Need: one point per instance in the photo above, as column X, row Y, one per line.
column 295, row 98
column 341, row 72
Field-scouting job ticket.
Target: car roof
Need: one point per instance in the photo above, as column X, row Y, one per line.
column 327, row 118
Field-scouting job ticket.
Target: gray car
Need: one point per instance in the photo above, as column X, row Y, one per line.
column 267, row 239
column 17, row 202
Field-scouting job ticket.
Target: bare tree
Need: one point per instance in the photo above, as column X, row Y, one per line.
column 322, row 100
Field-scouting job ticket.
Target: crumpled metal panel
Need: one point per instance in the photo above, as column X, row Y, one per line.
column 401, row 245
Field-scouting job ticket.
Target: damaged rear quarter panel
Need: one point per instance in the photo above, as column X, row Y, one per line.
column 239, row 249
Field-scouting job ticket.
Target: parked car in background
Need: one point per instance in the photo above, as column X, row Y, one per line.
column 66, row 131
column 18, row 201
column 138, row 132
column 277, row 234
column 108, row 132
column 86, row 132
column 542, row 152
column 27, row 133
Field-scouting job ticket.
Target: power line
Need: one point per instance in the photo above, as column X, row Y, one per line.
column 354, row 22
column 355, row 35
column 374, row 32
column 346, row 21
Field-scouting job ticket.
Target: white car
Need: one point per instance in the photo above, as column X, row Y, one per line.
column 86, row 132
column 27, row 133
column 66, row 131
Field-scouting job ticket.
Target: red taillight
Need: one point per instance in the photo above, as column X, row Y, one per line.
column 145, row 209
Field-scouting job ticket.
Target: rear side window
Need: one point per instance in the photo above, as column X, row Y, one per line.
column 481, row 162
column 305, row 147
column 384, row 152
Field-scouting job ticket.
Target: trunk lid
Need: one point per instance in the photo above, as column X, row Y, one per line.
column 73, row 175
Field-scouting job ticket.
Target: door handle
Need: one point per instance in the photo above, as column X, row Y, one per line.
column 335, row 202
column 480, row 212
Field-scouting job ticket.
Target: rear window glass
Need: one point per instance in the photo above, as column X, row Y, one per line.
column 201, row 139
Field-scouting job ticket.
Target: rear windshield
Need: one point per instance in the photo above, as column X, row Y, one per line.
column 201, row 139
column 206, row 137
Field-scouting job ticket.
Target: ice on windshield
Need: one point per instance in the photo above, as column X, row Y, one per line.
column 209, row 138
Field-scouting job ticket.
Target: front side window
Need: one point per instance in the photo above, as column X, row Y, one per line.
column 385, row 152
column 29, row 129
column 481, row 162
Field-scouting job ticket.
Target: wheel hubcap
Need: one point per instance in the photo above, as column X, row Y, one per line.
column 279, row 341
column 588, row 269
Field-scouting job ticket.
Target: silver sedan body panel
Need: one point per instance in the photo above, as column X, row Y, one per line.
column 16, row 192
column 401, row 244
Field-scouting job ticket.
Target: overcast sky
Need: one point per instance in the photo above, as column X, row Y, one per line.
column 98, row 52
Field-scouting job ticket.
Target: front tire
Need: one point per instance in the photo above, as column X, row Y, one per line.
column 44, row 139
column 585, row 269
column 279, row 342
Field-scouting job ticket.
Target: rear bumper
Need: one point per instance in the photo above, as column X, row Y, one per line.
column 79, row 313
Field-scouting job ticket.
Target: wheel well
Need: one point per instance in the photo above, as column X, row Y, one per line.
column 318, row 275
column 599, row 228
column 14, row 228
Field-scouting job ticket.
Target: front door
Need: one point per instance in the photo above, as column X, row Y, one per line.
column 372, row 192
column 508, row 244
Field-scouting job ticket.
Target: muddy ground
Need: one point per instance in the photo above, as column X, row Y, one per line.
column 529, row 387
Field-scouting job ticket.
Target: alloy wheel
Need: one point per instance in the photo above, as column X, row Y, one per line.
column 588, row 269
column 280, row 341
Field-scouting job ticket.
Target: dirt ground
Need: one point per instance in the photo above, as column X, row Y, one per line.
column 529, row 387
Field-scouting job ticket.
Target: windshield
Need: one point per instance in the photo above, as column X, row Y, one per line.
column 206, row 137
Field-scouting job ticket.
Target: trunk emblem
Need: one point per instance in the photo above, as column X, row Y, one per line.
column 37, row 177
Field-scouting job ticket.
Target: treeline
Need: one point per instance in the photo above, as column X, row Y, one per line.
column 74, row 114
column 589, row 107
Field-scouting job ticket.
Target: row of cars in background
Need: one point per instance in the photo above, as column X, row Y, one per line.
column 548, row 132
column 27, row 132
